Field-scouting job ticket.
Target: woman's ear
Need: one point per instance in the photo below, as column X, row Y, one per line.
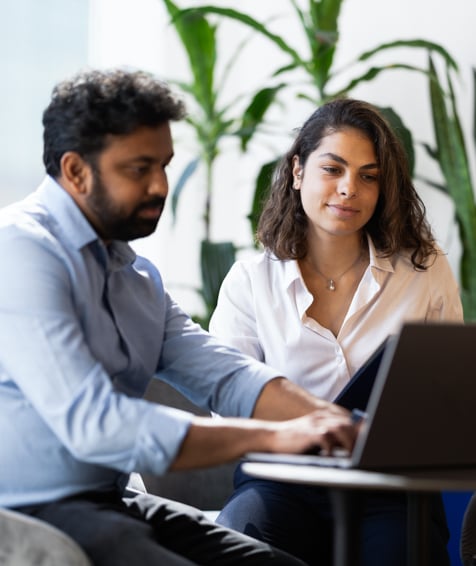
column 297, row 173
column 75, row 173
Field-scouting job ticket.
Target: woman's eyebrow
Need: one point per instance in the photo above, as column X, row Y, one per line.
column 370, row 166
column 335, row 157
column 341, row 160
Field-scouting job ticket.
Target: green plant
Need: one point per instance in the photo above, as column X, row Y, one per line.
column 452, row 157
column 320, row 26
column 211, row 121
column 311, row 73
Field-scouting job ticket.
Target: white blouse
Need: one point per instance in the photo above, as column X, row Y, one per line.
column 262, row 311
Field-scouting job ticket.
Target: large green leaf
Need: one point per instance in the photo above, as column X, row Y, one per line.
column 319, row 25
column 371, row 73
column 453, row 161
column 403, row 133
column 262, row 186
column 323, row 35
column 188, row 171
column 254, row 114
column 250, row 22
column 216, row 258
column 468, row 257
column 198, row 38
column 413, row 43
column 325, row 13
column 451, row 153
column 474, row 106
column 322, row 39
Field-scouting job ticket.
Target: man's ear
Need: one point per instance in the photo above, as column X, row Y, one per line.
column 76, row 174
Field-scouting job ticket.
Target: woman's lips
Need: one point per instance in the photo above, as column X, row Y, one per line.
column 343, row 211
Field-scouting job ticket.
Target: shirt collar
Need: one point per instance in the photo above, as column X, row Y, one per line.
column 376, row 261
column 292, row 272
column 76, row 229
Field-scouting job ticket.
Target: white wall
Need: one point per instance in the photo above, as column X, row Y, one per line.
column 137, row 33
column 40, row 43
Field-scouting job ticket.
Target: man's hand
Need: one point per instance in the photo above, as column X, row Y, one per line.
column 327, row 428
column 211, row 442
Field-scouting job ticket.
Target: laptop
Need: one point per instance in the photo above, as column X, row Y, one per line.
column 422, row 407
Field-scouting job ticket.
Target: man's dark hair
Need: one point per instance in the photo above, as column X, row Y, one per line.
column 94, row 104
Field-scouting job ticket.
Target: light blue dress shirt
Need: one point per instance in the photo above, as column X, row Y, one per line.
column 83, row 329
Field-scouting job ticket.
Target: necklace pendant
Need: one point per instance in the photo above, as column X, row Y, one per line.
column 331, row 285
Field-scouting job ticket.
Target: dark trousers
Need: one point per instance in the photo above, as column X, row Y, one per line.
column 150, row 530
column 299, row 520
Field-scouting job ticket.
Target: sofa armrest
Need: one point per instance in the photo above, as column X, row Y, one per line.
column 26, row 541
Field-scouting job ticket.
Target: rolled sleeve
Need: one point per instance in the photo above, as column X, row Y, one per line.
column 215, row 377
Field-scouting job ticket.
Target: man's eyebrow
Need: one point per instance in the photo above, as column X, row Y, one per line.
column 341, row 160
column 149, row 158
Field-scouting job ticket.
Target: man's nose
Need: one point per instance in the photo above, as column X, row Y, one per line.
column 158, row 184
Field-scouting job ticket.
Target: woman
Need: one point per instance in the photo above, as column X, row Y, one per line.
column 348, row 256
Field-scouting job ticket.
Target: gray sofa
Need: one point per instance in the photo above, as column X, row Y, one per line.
column 25, row 541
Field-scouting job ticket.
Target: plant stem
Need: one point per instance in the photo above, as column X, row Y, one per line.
column 207, row 214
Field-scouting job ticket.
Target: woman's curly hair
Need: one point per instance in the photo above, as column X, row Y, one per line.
column 398, row 223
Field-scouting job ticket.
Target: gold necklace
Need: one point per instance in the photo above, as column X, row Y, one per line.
column 331, row 282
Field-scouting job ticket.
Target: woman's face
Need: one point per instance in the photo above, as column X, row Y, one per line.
column 339, row 183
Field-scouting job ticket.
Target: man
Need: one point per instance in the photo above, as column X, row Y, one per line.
column 85, row 324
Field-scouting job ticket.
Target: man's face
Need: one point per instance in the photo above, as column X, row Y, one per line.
column 129, row 184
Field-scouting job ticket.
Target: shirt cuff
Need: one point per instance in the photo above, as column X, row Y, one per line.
column 160, row 438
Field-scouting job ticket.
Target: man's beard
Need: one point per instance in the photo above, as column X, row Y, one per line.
column 113, row 222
